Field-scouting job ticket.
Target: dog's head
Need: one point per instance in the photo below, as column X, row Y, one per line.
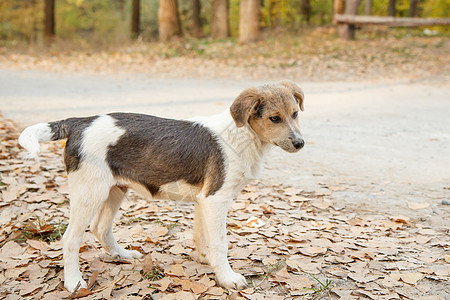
column 272, row 112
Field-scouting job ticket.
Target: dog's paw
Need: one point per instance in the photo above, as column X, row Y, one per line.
column 127, row 254
column 74, row 283
column 232, row 280
column 201, row 258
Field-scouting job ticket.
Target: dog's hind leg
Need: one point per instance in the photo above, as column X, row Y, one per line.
column 102, row 226
column 199, row 235
column 86, row 199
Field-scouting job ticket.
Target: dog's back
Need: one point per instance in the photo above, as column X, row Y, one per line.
column 144, row 149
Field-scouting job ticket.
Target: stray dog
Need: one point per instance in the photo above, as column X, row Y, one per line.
column 217, row 155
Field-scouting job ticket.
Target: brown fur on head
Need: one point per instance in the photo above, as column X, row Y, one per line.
column 272, row 112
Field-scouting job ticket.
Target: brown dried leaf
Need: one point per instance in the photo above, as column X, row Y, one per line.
column 176, row 270
column 356, row 222
column 411, row 278
column 39, row 245
column 29, row 288
column 82, row 292
column 391, row 225
column 147, row 263
column 267, row 209
column 163, row 283
column 312, row 251
column 179, row 249
column 215, row 291
column 206, row 281
column 322, row 204
column 198, row 288
column 400, row 219
column 298, row 283
column 11, row 249
column 363, row 278
column 92, row 279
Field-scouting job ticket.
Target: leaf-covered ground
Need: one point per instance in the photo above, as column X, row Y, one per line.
column 289, row 243
column 313, row 55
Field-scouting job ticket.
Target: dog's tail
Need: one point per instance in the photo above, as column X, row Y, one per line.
column 43, row 132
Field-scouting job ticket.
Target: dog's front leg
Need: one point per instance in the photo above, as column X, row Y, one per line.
column 214, row 212
column 199, row 235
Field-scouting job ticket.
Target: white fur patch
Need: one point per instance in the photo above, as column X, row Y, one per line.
column 32, row 135
column 242, row 148
column 101, row 134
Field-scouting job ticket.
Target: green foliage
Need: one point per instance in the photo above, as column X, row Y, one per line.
column 436, row 8
column 78, row 18
column 98, row 22
column 21, row 20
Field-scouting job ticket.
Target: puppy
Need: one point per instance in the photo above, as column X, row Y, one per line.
column 216, row 156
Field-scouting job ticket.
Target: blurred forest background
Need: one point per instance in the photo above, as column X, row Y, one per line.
column 102, row 23
column 297, row 39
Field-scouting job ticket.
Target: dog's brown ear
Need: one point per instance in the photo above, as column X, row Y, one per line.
column 244, row 105
column 296, row 91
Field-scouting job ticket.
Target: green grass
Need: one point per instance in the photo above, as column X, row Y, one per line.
column 168, row 225
column 322, row 289
column 155, row 274
column 270, row 269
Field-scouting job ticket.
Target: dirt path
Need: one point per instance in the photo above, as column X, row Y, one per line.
column 384, row 141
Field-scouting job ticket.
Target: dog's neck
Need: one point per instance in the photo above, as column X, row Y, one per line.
column 242, row 146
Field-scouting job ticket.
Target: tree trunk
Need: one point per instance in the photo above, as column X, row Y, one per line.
column 168, row 20
column 49, row 19
column 249, row 21
column 306, row 10
column 391, row 8
column 347, row 31
column 368, row 7
column 135, row 18
column 219, row 25
column 338, row 8
column 196, row 23
column 412, row 12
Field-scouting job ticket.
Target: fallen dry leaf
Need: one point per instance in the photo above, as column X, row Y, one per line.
column 176, row 270
column 163, row 283
column 215, row 291
column 400, row 219
column 312, row 251
column 411, row 278
column 147, row 263
column 82, row 292
column 299, row 283
column 254, row 222
column 322, row 204
column 447, row 258
column 198, row 288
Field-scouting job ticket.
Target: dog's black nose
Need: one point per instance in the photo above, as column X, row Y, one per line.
column 298, row 144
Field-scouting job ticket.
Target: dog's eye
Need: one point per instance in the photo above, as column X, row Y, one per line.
column 275, row 119
column 294, row 116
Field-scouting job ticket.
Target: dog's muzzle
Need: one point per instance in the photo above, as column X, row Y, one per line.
column 298, row 144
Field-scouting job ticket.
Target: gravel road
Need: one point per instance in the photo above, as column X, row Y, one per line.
column 384, row 144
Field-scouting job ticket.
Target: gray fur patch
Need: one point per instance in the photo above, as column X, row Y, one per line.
column 72, row 129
